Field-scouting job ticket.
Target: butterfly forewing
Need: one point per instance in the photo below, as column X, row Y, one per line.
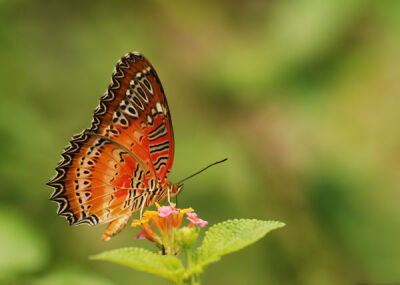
column 122, row 161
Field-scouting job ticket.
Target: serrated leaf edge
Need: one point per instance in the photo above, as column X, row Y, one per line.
column 174, row 276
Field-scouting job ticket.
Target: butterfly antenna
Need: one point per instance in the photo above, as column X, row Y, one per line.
column 200, row 171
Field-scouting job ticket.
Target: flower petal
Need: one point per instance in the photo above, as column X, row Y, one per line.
column 165, row 211
column 194, row 220
column 201, row 223
column 150, row 234
column 187, row 210
column 135, row 223
column 191, row 215
column 141, row 235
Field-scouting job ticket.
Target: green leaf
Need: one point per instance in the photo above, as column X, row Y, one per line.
column 169, row 267
column 230, row 236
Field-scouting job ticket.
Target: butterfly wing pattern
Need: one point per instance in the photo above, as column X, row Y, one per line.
column 120, row 164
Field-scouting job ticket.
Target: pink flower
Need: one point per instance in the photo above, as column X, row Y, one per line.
column 141, row 235
column 148, row 233
column 161, row 226
column 165, row 211
column 195, row 221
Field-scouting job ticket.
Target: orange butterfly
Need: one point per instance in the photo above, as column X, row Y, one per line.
column 121, row 163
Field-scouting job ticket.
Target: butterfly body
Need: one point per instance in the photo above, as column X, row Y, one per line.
column 121, row 163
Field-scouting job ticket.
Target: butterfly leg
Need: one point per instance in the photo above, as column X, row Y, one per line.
column 169, row 195
column 142, row 206
column 115, row 226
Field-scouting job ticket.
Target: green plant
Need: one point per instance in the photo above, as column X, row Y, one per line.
column 220, row 239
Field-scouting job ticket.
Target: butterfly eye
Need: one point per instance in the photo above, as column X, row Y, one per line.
column 176, row 189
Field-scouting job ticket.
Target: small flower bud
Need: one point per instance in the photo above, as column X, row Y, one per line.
column 186, row 237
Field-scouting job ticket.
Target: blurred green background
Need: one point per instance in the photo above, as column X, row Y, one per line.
column 302, row 96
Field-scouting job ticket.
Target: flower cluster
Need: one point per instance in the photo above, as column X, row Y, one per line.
column 167, row 233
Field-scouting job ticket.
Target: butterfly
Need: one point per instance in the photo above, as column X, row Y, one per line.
column 121, row 163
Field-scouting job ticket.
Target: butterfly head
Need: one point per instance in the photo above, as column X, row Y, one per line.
column 174, row 189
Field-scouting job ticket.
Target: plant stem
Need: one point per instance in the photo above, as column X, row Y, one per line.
column 193, row 278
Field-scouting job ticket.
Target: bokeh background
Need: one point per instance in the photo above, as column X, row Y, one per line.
column 302, row 96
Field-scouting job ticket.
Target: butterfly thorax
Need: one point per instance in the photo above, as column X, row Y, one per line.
column 168, row 190
column 174, row 188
